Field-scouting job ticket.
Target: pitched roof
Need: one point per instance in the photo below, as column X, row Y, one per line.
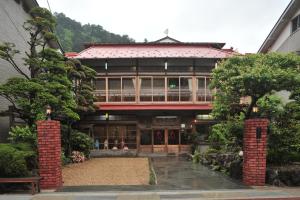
column 284, row 19
column 166, row 39
column 153, row 50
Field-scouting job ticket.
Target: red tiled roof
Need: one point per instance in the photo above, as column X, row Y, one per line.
column 152, row 51
column 207, row 106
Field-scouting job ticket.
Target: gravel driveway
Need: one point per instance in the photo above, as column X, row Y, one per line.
column 107, row 171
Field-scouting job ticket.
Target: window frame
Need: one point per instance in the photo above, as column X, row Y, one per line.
column 297, row 18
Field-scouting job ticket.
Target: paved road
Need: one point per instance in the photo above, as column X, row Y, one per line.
column 177, row 173
column 263, row 193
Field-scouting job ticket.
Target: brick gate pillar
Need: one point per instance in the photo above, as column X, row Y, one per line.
column 255, row 144
column 49, row 150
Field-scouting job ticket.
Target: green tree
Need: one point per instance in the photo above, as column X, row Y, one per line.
column 254, row 76
column 82, row 78
column 73, row 35
column 47, row 82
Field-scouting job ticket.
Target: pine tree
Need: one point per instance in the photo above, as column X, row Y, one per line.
column 47, row 82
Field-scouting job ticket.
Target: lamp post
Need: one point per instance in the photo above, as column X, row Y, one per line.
column 255, row 110
column 48, row 112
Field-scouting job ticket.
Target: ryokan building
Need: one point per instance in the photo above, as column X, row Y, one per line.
column 151, row 96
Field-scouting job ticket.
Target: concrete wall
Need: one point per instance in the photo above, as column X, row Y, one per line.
column 12, row 17
column 286, row 41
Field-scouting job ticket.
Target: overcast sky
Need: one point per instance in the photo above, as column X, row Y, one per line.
column 242, row 24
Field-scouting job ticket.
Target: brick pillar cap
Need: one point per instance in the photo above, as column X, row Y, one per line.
column 47, row 121
column 257, row 120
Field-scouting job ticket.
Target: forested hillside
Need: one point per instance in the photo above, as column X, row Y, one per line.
column 72, row 35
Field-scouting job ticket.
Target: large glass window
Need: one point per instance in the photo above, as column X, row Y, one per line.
column 173, row 137
column 130, row 137
column 201, row 89
column 120, row 136
column 114, row 89
column 146, row 89
column 204, row 93
column 186, row 89
column 100, row 93
column 158, row 89
column 173, row 89
column 100, row 135
column 128, row 89
column 146, row 137
column 208, row 90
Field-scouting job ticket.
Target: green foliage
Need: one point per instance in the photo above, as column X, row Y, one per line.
column 47, row 83
column 22, row 134
column 29, row 152
column 257, row 78
column 196, row 157
column 82, row 77
column 13, row 161
column 253, row 76
column 270, row 106
column 73, row 35
column 227, row 134
column 64, row 159
column 81, row 142
column 284, row 138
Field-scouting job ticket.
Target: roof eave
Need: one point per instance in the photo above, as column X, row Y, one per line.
column 280, row 24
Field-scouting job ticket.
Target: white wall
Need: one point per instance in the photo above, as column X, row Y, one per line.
column 12, row 17
column 284, row 36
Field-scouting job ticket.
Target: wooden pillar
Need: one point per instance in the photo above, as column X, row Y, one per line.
column 152, row 138
column 138, row 138
column 166, row 139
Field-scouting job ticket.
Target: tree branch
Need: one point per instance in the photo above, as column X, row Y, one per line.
column 16, row 67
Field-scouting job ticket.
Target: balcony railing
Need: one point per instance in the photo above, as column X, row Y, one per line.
column 154, row 89
column 149, row 95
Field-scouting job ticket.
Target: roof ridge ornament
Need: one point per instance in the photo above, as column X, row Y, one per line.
column 166, row 32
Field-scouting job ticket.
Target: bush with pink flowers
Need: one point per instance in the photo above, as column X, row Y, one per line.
column 77, row 157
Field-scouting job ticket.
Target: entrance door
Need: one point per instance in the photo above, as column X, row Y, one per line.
column 159, row 142
column 162, row 140
column 173, row 141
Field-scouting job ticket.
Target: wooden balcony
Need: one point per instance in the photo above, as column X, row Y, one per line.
column 153, row 96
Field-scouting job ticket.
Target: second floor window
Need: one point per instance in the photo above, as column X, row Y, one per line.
column 153, row 89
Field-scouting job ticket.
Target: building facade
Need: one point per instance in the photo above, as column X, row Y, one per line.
column 285, row 35
column 13, row 14
column 151, row 96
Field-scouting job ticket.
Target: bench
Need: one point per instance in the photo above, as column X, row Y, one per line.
column 35, row 182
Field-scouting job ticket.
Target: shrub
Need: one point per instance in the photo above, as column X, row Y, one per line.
column 22, row 134
column 227, row 134
column 29, row 153
column 196, row 157
column 12, row 162
column 284, row 138
column 81, row 142
column 65, row 160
